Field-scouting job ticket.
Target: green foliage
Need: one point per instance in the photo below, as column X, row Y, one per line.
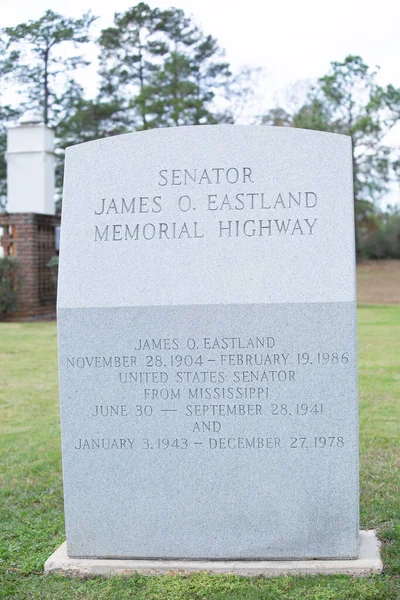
column 160, row 68
column 129, row 55
column 8, row 59
column 349, row 101
column 53, row 266
column 368, row 217
column 7, row 114
column 385, row 242
column 38, row 60
column 312, row 115
column 157, row 69
column 8, row 281
column 53, row 262
column 44, row 77
column 31, row 507
column 90, row 120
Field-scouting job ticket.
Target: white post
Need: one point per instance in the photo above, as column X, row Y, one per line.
column 30, row 167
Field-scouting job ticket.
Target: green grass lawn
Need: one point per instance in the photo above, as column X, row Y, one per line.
column 31, row 506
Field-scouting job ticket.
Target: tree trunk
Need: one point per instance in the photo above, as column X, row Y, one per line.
column 46, row 87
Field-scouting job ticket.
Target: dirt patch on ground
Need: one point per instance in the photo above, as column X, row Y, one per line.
column 378, row 282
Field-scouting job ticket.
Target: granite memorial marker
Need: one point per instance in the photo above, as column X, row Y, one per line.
column 207, row 345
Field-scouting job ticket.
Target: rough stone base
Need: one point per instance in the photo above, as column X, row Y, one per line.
column 368, row 562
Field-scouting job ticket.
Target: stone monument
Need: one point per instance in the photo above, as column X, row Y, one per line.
column 207, row 346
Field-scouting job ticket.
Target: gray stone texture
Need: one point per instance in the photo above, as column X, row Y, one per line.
column 367, row 563
column 208, row 372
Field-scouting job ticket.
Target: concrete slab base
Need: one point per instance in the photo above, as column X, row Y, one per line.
column 368, row 562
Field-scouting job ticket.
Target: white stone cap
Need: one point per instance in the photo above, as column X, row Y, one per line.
column 30, row 135
column 31, row 118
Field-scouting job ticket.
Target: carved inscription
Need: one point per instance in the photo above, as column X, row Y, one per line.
column 143, row 214
column 209, row 383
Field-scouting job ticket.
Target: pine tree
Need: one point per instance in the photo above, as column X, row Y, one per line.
column 160, row 68
column 43, row 76
column 348, row 100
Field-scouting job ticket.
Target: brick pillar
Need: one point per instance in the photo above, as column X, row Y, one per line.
column 30, row 238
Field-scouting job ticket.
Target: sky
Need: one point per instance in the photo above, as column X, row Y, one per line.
column 291, row 40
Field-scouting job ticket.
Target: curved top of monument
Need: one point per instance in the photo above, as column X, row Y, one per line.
column 255, row 130
column 219, row 214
